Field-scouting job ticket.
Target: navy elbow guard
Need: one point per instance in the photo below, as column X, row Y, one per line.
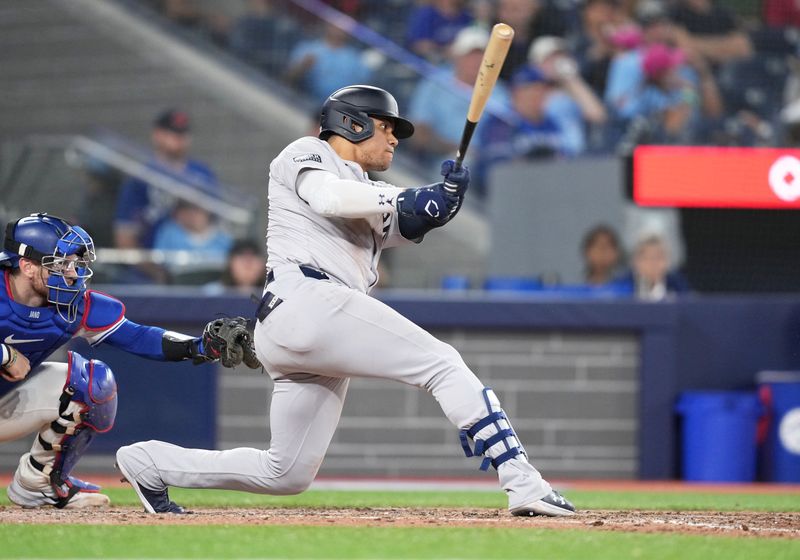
column 413, row 226
column 177, row 347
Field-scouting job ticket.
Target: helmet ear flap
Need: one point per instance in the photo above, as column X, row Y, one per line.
column 342, row 124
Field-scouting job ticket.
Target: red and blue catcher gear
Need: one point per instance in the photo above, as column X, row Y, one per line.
column 87, row 407
column 64, row 250
column 37, row 332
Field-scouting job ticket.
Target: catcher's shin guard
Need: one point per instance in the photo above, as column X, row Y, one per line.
column 492, row 435
column 88, row 406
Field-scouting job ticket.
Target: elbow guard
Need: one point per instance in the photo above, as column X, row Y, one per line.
column 177, row 347
column 412, row 226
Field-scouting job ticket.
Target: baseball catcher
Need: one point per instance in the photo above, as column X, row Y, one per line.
column 45, row 301
column 318, row 327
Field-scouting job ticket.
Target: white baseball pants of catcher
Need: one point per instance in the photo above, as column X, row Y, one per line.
column 311, row 344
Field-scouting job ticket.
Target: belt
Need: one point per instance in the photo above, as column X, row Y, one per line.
column 308, row 272
column 270, row 301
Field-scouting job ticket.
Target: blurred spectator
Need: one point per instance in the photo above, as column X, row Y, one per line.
column 672, row 89
column 432, row 27
column 245, row 270
column 264, row 37
column 781, row 13
column 572, row 103
column 651, row 277
column 532, row 134
column 709, row 29
column 438, row 106
column 321, row 66
column 600, row 19
column 141, row 207
column 192, row 228
column 530, row 19
column 602, row 255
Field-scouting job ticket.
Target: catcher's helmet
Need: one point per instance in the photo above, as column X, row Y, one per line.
column 64, row 250
column 355, row 104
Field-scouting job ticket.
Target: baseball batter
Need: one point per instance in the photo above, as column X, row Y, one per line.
column 318, row 327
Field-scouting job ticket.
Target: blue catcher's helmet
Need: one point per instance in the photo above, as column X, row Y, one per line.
column 64, row 250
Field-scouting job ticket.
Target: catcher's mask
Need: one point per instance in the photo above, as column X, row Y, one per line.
column 64, row 250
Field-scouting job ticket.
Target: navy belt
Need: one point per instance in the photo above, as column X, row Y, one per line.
column 270, row 301
column 307, row 271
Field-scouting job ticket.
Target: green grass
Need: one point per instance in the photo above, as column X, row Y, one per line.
column 171, row 541
column 373, row 542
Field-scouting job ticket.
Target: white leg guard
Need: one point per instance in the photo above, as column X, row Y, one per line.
column 31, row 488
column 495, row 439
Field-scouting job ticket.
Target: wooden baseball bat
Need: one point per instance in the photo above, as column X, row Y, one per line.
column 493, row 58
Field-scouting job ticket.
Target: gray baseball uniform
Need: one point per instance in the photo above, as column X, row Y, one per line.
column 323, row 331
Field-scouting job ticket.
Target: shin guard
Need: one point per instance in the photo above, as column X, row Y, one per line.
column 493, row 436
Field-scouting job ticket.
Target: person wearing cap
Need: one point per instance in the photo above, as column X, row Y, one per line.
column 668, row 47
column 670, row 96
column 141, row 208
column 534, row 133
column 439, row 104
column 572, row 102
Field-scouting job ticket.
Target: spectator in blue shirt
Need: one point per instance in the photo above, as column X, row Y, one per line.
column 141, row 207
column 321, row 66
column 533, row 133
column 431, row 28
column 192, row 228
column 439, row 104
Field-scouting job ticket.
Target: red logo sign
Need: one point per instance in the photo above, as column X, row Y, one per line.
column 713, row 177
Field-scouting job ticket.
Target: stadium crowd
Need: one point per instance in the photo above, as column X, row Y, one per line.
column 582, row 76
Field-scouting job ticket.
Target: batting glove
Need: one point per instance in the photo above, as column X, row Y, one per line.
column 456, row 180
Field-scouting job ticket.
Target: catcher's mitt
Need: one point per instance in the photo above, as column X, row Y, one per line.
column 228, row 340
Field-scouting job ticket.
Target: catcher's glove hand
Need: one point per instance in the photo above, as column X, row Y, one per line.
column 228, row 340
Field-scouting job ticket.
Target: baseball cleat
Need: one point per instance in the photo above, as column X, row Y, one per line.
column 154, row 501
column 552, row 505
column 30, row 488
column 29, row 499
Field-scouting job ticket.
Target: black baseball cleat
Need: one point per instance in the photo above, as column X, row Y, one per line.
column 154, row 501
column 552, row 505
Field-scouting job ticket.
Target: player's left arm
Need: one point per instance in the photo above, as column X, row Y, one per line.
column 418, row 210
column 104, row 321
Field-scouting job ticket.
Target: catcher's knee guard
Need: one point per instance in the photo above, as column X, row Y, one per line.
column 492, row 435
column 87, row 407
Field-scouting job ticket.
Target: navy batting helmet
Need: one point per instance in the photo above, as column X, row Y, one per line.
column 355, row 105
